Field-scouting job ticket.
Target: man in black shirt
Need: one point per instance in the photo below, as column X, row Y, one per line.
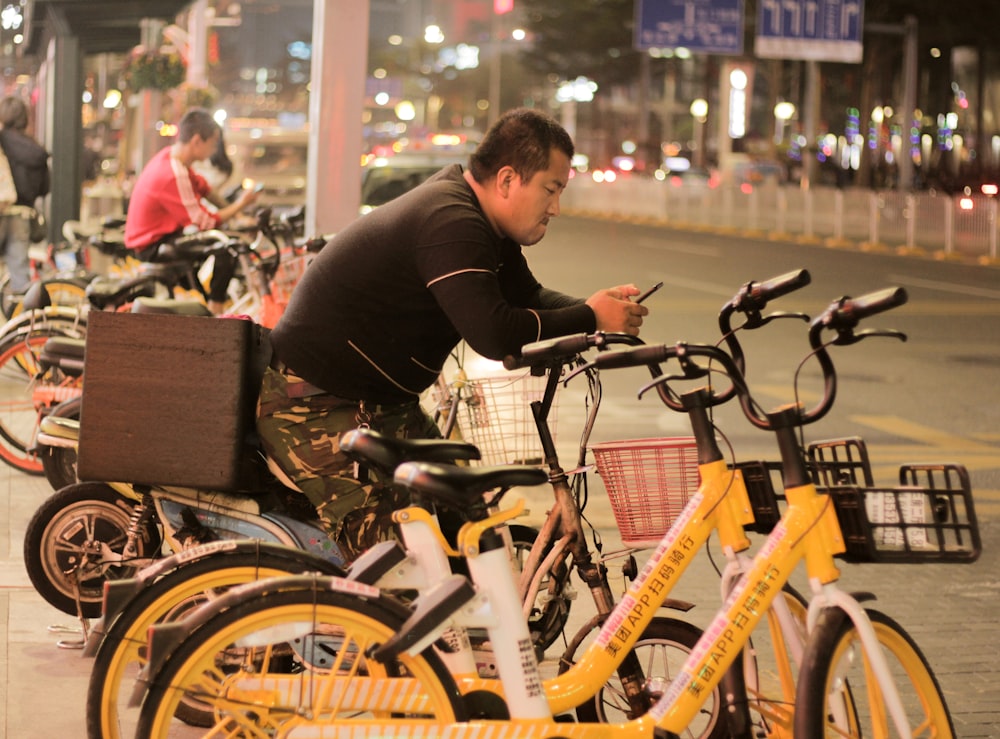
column 376, row 314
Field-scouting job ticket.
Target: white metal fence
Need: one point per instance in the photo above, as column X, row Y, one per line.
column 938, row 224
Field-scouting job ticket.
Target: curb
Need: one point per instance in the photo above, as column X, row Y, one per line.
column 786, row 237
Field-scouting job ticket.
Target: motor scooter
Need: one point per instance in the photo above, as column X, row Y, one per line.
column 90, row 532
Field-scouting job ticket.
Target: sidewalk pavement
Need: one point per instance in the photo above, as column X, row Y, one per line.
column 950, row 610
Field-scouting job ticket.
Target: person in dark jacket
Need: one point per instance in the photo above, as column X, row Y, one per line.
column 378, row 311
column 29, row 167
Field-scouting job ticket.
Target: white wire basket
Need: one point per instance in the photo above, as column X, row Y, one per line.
column 494, row 413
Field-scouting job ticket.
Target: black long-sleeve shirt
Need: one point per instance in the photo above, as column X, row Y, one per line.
column 382, row 305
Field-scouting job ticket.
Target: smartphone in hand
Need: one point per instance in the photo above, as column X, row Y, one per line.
column 649, row 292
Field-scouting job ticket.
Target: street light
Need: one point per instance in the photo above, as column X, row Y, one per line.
column 699, row 111
column 783, row 113
column 568, row 94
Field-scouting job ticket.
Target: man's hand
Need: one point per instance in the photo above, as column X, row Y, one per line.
column 249, row 197
column 615, row 312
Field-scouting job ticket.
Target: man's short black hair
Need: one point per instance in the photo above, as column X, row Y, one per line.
column 523, row 139
column 197, row 121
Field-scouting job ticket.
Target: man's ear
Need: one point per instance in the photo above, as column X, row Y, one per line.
column 505, row 176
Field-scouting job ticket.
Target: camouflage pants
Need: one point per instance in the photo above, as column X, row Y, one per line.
column 302, row 435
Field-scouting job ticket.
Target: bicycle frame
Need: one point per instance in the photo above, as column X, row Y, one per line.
column 807, row 532
column 722, row 504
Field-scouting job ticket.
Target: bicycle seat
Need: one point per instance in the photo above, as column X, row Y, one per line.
column 186, row 249
column 64, row 352
column 108, row 292
column 387, row 452
column 113, row 222
column 172, row 306
column 112, row 246
column 462, row 488
column 36, row 297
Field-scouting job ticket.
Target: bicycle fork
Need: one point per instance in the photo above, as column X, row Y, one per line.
column 830, row 596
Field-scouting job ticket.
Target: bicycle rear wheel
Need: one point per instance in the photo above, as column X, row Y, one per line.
column 297, row 655
column 69, row 292
column 122, row 652
column 834, row 657
column 550, row 612
column 23, row 399
column 661, row 650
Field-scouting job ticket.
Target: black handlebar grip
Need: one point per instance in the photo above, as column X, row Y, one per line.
column 636, row 356
column 852, row 310
column 783, row 284
column 549, row 349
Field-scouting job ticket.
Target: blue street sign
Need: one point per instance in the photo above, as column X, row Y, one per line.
column 819, row 30
column 701, row 26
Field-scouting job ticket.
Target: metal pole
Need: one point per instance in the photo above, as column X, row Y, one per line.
column 494, row 110
column 336, row 103
column 949, row 224
column 810, row 114
column 198, row 44
column 911, row 219
column 909, row 100
column 993, row 228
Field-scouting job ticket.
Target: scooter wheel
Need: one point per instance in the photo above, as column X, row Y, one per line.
column 64, row 541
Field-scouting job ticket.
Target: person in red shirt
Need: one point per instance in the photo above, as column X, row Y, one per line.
column 169, row 196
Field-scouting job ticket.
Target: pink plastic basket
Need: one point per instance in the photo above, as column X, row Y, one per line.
column 649, row 481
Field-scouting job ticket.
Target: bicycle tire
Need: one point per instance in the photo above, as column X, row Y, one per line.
column 122, row 649
column 59, row 462
column 293, row 618
column 547, row 621
column 23, row 400
column 834, row 657
column 68, row 292
column 662, row 649
column 70, row 526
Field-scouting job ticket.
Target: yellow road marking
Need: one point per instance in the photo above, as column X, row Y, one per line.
column 925, row 434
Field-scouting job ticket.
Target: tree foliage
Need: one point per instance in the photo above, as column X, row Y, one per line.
column 945, row 24
column 592, row 38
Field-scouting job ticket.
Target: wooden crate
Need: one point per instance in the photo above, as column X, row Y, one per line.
column 170, row 400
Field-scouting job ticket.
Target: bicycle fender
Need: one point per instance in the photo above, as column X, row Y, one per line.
column 677, row 605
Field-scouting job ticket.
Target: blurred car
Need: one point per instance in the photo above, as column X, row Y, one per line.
column 275, row 158
column 691, row 177
column 386, row 178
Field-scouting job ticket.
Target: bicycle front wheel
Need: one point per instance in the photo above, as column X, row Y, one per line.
column 123, row 649
column 835, row 658
column 297, row 655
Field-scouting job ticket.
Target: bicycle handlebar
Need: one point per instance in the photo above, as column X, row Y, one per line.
column 755, row 295
column 842, row 316
column 751, row 300
column 561, row 349
column 209, row 237
column 653, row 355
